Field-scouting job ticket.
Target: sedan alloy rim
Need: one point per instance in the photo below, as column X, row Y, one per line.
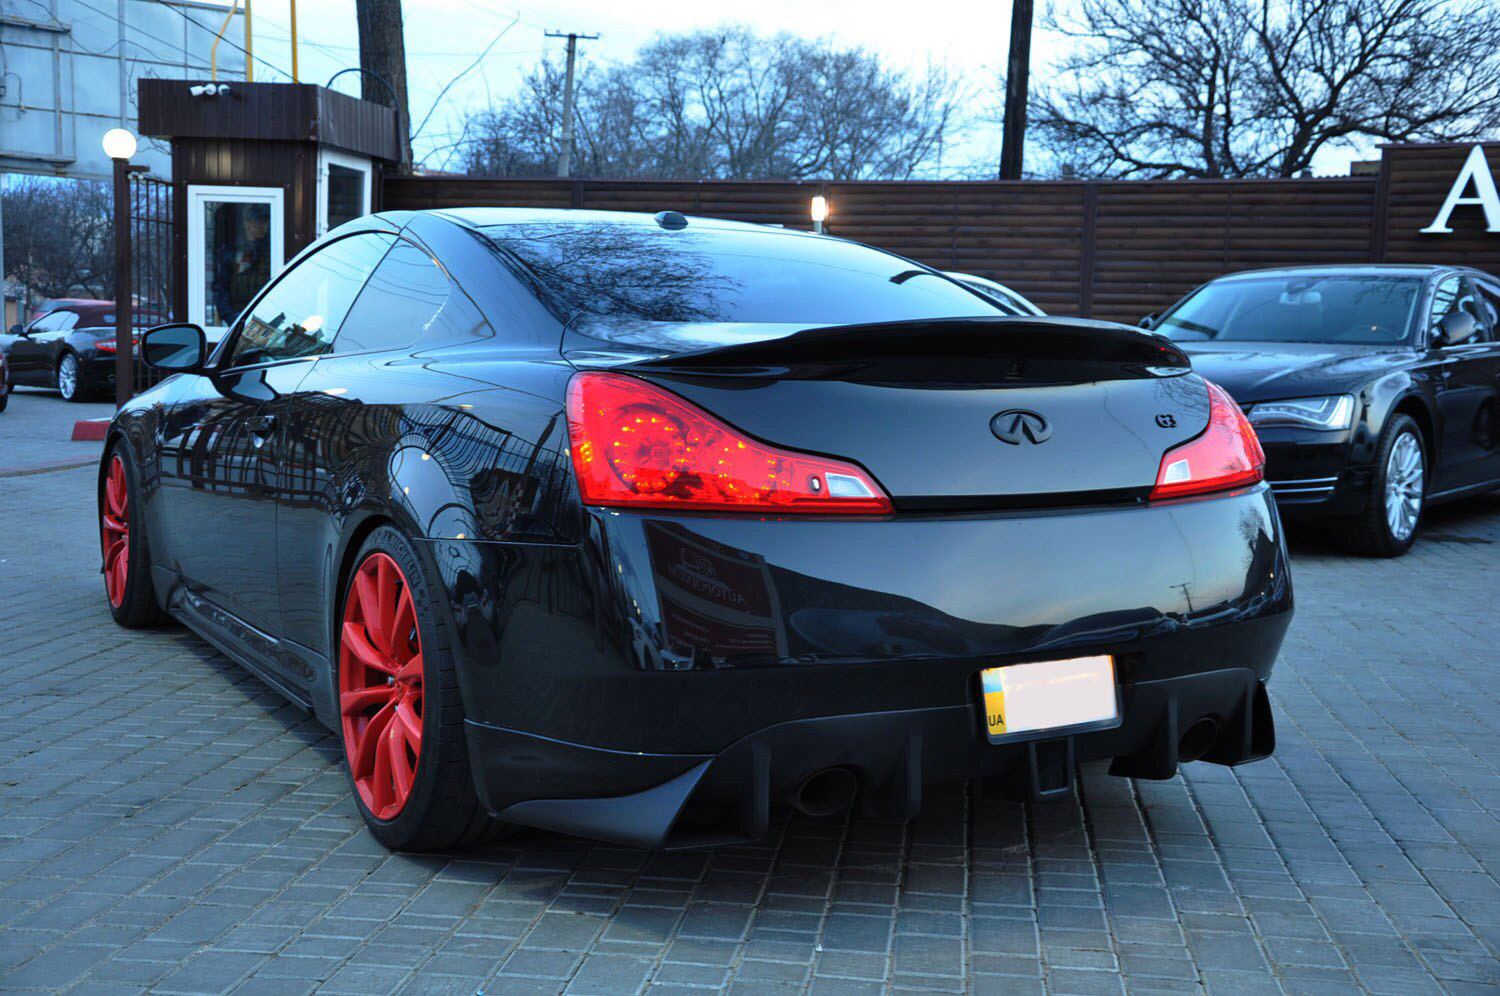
column 67, row 376
column 115, row 531
column 1403, row 486
column 380, row 685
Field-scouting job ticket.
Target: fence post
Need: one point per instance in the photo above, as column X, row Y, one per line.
column 1086, row 262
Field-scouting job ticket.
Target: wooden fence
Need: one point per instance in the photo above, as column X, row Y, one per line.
column 1106, row 249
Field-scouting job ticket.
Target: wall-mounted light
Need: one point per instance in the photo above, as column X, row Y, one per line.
column 819, row 212
column 118, row 143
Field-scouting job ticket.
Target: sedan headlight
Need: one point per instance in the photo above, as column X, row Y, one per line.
column 1336, row 412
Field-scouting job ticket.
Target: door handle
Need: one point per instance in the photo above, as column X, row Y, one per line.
column 260, row 424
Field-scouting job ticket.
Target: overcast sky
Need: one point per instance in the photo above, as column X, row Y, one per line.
column 444, row 36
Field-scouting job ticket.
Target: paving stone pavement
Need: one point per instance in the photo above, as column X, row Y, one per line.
column 167, row 823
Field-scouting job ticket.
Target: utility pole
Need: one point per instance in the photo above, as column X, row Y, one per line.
column 1017, row 79
column 382, row 52
column 565, row 157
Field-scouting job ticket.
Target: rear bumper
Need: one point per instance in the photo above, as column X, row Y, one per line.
column 674, row 667
column 679, row 801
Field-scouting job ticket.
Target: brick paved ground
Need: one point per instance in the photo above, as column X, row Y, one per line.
column 168, row 823
column 36, row 432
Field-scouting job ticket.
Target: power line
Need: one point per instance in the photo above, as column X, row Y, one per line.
column 206, row 27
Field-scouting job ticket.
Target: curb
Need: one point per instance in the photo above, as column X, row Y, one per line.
column 46, row 468
column 90, row 430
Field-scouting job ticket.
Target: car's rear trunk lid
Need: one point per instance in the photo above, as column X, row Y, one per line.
column 947, row 415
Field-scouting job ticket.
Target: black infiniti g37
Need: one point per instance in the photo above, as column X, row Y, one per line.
column 639, row 527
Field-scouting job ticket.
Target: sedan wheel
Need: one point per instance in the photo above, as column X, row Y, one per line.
column 67, row 377
column 1393, row 511
column 380, row 686
column 1404, row 478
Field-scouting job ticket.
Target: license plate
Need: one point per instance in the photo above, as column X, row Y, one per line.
column 1048, row 695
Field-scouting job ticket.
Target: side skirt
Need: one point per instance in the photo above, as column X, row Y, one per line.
column 237, row 640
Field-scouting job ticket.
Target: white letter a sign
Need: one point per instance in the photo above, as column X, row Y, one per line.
column 1476, row 171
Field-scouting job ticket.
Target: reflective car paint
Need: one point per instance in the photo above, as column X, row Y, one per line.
column 1452, row 392
column 614, row 665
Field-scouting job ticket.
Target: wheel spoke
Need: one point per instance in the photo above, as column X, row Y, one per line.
column 405, row 621
column 355, row 703
column 369, row 741
column 411, row 671
column 409, row 726
column 401, row 771
column 363, row 650
column 385, row 592
column 369, row 607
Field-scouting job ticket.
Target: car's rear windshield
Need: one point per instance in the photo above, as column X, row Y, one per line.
column 646, row 273
column 1369, row 310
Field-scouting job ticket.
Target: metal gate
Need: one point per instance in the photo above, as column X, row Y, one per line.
column 152, row 274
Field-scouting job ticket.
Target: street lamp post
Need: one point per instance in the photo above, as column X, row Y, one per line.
column 819, row 212
column 120, row 145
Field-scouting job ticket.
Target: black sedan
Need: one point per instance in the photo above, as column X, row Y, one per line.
column 1375, row 389
column 632, row 526
column 70, row 347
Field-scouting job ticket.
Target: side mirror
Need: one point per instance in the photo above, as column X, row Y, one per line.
column 1455, row 327
column 180, row 346
column 18, row 329
column 1148, row 323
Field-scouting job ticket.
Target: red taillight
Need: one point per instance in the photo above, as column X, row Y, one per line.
column 108, row 345
column 1225, row 455
column 639, row 445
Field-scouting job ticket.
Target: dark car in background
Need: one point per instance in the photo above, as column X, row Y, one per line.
column 4, row 382
column 1375, row 389
column 631, row 527
column 70, row 346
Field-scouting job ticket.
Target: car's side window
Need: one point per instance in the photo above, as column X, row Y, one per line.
column 301, row 313
column 1445, row 299
column 1487, row 300
column 56, row 321
column 406, row 299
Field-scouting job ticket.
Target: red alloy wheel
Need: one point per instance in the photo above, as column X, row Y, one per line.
column 380, row 685
column 114, row 531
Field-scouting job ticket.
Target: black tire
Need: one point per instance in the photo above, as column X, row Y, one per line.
column 1371, row 533
column 138, row 607
column 76, row 389
column 442, row 810
column 4, row 394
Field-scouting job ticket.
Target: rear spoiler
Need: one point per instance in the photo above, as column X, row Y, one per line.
column 964, row 351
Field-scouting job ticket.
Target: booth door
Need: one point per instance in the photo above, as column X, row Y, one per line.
column 236, row 244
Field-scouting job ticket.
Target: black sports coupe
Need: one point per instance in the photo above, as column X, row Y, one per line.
column 1375, row 389
column 633, row 526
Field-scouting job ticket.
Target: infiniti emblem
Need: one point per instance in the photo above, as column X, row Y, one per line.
column 1018, row 425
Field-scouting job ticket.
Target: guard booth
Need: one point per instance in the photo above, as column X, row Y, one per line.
column 259, row 170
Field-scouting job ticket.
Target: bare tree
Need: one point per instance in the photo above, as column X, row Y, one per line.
column 725, row 104
column 1210, row 88
column 382, row 52
column 59, row 237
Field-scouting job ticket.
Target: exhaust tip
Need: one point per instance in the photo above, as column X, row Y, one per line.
column 825, row 792
column 1198, row 739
